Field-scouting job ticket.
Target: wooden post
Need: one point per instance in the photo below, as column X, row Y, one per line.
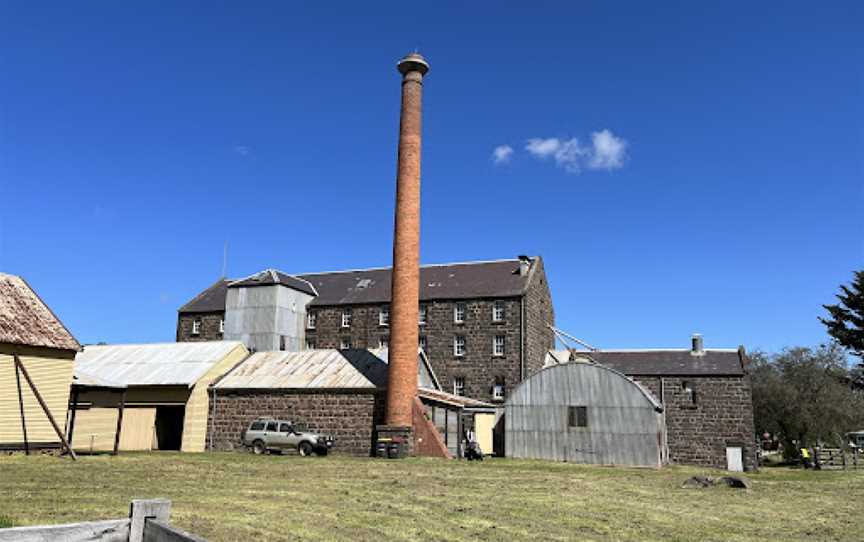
column 119, row 422
column 141, row 510
column 71, row 432
column 35, row 391
column 21, row 407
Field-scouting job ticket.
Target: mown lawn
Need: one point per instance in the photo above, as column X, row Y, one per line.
column 225, row 496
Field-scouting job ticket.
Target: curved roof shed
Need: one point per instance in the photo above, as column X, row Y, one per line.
column 585, row 413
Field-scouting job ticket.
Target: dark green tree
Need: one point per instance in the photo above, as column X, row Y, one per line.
column 846, row 321
column 803, row 394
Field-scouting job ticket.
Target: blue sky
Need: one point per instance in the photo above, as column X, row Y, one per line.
column 723, row 193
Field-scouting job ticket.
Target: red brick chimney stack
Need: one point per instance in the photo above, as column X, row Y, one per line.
column 404, row 306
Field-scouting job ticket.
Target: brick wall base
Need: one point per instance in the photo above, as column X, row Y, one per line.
column 349, row 416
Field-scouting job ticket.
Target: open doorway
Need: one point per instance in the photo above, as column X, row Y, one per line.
column 169, row 427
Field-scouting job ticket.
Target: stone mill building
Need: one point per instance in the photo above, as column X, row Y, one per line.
column 483, row 325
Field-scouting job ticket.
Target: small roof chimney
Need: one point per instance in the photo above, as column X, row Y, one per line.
column 698, row 347
column 524, row 265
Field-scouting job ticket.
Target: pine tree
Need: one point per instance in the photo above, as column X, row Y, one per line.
column 846, row 323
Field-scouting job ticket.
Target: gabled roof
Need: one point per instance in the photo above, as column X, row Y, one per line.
column 26, row 320
column 269, row 277
column 714, row 362
column 499, row 278
column 157, row 364
column 326, row 368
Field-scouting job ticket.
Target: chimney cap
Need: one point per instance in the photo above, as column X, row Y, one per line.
column 413, row 62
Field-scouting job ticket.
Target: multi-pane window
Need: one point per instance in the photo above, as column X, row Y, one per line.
column 498, row 311
column 458, row 386
column 196, row 327
column 498, row 391
column 423, row 341
column 459, row 346
column 383, row 342
column 345, row 343
column 459, row 313
column 423, row 313
column 689, row 392
column 222, row 325
column 346, row 317
column 311, row 320
column 311, row 344
column 577, row 416
column 498, row 345
column 384, row 316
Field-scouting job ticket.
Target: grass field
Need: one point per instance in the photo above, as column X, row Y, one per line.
column 243, row 497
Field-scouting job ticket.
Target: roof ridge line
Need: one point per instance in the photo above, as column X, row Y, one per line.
column 474, row 262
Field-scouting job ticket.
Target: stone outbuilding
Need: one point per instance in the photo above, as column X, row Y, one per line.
column 32, row 333
column 582, row 412
column 335, row 392
column 706, row 395
column 146, row 396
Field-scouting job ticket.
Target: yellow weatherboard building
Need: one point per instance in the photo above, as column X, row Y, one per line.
column 37, row 356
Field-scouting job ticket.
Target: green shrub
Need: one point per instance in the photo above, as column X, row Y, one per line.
column 5, row 522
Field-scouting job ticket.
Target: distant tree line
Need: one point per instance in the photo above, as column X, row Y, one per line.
column 815, row 395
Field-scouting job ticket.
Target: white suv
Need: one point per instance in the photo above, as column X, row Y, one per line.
column 267, row 434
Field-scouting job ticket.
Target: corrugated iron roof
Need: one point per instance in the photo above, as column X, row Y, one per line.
column 467, row 280
column 450, row 398
column 158, row 364
column 26, row 320
column 269, row 277
column 326, row 368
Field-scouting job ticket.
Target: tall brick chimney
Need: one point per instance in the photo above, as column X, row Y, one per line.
column 404, row 306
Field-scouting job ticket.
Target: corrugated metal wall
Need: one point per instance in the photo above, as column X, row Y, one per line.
column 53, row 378
column 623, row 426
column 261, row 315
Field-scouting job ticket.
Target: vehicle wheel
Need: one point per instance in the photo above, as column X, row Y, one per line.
column 322, row 452
column 258, row 447
column 305, row 449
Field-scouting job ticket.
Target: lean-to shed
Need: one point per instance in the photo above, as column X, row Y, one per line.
column 581, row 412
column 146, row 396
column 46, row 350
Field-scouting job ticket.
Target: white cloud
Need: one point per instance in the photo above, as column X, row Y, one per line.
column 608, row 151
column 567, row 153
column 502, row 154
column 242, row 150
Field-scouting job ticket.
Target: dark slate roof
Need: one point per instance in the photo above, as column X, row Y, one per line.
column 26, row 320
column 669, row 362
column 210, row 300
column 468, row 280
column 499, row 278
column 269, row 277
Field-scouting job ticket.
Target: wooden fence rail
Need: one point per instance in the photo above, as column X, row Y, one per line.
column 147, row 522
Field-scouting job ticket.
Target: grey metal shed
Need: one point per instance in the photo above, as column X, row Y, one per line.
column 582, row 412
